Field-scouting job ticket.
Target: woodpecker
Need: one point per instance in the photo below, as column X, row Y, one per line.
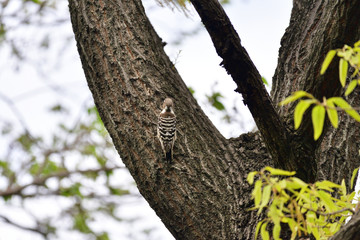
column 166, row 131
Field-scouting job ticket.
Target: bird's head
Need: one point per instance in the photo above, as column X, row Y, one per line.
column 168, row 104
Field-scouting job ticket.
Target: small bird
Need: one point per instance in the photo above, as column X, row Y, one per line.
column 166, row 131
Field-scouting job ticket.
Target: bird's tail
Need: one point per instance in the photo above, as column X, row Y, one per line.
column 168, row 155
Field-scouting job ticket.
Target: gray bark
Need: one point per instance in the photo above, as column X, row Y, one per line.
column 203, row 194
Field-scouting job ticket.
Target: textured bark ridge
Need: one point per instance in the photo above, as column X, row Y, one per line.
column 203, row 194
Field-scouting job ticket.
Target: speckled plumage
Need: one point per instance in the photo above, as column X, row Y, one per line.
column 166, row 130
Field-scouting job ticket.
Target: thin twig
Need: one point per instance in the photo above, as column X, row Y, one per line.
column 36, row 230
column 331, row 213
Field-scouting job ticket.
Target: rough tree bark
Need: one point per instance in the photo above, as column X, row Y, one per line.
column 203, row 194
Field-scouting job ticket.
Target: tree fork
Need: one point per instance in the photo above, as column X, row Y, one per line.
column 203, row 193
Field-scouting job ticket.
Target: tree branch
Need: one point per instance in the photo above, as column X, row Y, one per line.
column 330, row 213
column 38, row 230
column 39, row 181
column 239, row 65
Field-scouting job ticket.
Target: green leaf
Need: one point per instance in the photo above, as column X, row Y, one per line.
column 295, row 96
column 214, row 101
column 7, row 197
column 265, row 197
column 352, row 195
column 101, row 160
column 315, row 232
column 343, row 69
column 218, row 105
column 92, row 110
column 264, row 233
column 91, row 175
column 332, row 114
column 181, row 3
column 250, row 177
column 353, row 177
column 223, row 2
column 2, row 32
column 34, row 169
column 318, row 117
column 334, row 228
column 4, row 165
column 354, row 60
column 80, row 223
column 276, row 232
column 192, row 91
column 340, row 102
column 119, row 192
column 58, row 108
column 274, row 212
column 300, row 109
column 327, row 185
column 326, row 199
column 310, row 216
column 264, row 81
column 295, row 183
column 256, row 194
column 258, row 228
column 26, row 141
column 351, row 87
column 285, row 220
column 73, row 190
column 281, row 185
column 348, row 53
column 103, row 236
column 356, row 69
column 275, row 171
column 49, row 168
column 329, row 57
column 357, row 44
column 293, row 227
column 89, row 150
column 343, row 187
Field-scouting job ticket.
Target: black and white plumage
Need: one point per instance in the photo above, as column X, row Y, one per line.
column 166, row 130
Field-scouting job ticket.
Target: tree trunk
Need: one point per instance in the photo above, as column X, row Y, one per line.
column 203, row 193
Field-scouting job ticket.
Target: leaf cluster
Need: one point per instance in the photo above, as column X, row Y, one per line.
column 330, row 107
column 308, row 209
column 348, row 56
